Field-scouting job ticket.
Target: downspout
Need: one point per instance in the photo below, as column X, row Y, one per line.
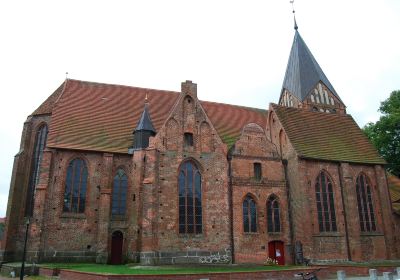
column 291, row 235
column 344, row 213
column 230, row 194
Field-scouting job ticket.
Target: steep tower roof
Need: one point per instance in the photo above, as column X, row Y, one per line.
column 145, row 121
column 303, row 71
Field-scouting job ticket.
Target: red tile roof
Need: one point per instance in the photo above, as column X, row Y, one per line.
column 47, row 106
column 326, row 136
column 229, row 120
column 101, row 117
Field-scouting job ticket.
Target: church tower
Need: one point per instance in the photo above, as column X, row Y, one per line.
column 305, row 84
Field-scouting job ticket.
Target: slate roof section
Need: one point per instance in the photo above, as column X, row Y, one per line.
column 326, row 136
column 101, row 117
column 303, row 71
column 145, row 122
column 47, row 106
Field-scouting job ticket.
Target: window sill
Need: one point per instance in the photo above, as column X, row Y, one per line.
column 371, row 233
column 73, row 215
column 251, row 233
column 118, row 218
column 191, row 235
column 275, row 233
column 328, row 234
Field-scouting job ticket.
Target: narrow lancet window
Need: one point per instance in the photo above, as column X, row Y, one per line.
column 75, row 187
column 273, row 214
column 40, row 144
column 190, row 210
column 249, row 215
column 120, row 187
column 364, row 203
column 325, row 203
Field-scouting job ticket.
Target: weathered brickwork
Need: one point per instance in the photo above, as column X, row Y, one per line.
column 260, row 166
column 347, row 242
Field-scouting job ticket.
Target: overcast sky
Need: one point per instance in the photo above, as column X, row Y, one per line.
column 236, row 51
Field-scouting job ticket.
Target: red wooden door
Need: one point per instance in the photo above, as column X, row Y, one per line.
column 116, row 247
column 276, row 251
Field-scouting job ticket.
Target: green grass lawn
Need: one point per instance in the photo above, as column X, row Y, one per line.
column 166, row 269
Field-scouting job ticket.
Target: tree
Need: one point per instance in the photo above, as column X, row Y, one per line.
column 385, row 133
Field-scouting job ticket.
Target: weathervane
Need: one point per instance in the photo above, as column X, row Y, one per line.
column 66, row 75
column 294, row 15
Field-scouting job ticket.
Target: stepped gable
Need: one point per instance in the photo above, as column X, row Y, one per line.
column 101, row 117
column 324, row 136
column 47, row 106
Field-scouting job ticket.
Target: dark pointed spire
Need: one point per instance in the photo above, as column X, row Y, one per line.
column 143, row 131
column 303, row 71
column 145, row 120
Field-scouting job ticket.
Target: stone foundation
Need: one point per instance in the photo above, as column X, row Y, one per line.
column 185, row 257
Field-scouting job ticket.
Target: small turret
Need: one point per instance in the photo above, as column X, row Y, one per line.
column 144, row 130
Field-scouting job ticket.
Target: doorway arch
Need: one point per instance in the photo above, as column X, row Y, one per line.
column 117, row 240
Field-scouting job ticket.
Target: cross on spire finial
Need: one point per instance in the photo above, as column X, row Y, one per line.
column 294, row 15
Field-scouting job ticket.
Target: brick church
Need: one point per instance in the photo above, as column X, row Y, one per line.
column 115, row 174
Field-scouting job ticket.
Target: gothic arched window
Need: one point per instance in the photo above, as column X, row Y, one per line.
column 40, row 144
column 120, row 188
column 325, row 203
column 75, row 186
column 273, row 214
column 249, row 214
column 190, row 211
column 364, row 202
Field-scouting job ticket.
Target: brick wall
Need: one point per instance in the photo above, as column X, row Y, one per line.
column 253, row 147
column 302, row 174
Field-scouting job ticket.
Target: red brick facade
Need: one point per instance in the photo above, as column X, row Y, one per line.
column 150, row 227
column 199, row 182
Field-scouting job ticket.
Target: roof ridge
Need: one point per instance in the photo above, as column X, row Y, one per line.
column 162, row 90
column 125, row 86
column 240, row 106
column 314, row 112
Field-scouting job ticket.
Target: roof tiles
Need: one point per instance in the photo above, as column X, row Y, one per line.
column 101, row 117
column 326, row 136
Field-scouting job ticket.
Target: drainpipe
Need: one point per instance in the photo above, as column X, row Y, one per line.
column 285, row 162
column 344, row 213
column 230, row 194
